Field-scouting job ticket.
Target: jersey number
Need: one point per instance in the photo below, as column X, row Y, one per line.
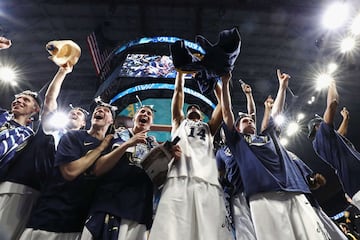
column 200, row 133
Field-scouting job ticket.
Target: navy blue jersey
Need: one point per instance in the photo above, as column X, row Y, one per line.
column 63, row 205
column 264, row 164
column 226, row 162
column 32, row 163
column 126, row 191
column 332, row 148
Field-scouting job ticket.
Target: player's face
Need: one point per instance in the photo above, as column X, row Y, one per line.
column 144, row 118
column 24, row 105
column 194, row 113
column 76, row 119
column 247, row 126
column 102, row 116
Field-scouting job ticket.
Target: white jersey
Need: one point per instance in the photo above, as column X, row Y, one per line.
column 197, row 159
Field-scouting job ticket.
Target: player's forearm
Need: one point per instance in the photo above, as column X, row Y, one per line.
column 331, row 104
column 108, row 161
column 279, row 101
column 52, row 93
column 72, row 170
column 227, row 113
column 265, row 121
column 177, row 102
column 343, row 127
column 250, row 104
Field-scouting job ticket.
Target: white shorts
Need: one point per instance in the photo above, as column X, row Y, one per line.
column 356, row 199
column 190, row 209
column 285, row 215
column 16, row 202
column 244, row 228
column 31, row 234
column 129, row 230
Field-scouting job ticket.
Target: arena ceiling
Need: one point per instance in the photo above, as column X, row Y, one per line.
column 284, row 34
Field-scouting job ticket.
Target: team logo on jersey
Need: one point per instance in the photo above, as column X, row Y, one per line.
column 256, row 140
column 227, row 152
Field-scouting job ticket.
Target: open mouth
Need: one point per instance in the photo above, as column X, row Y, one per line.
column 143, row 120
column 98, row 117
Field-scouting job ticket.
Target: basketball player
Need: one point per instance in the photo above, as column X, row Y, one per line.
column 334, row 148
column 19, row 180
column 272, row 183
column 62, row 209
column 191, row 205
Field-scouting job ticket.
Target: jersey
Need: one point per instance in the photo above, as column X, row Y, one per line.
column 32, row 163
column 126, row 191
column 62, row 201
column 226, row 162
column 197, row 158
column 332, row 148
column 265, row 165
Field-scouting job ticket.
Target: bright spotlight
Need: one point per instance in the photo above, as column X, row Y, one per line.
column 335, row 15
column 292, row 128
column 347, row 44
column 279, row 120
column 7, row 74
column 58, row 120
column 300, row 116
column 284, row 141
column 323, row 81
column 332, row 67
column 355, row 26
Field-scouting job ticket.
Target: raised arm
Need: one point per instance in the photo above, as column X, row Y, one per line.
column 177, row 102
column 281, row 94
column 251, row 108
column 269, row 102
column 51, row 95
column 216, row 116
column 226, row 106
column 345, row 122
column 331, row 103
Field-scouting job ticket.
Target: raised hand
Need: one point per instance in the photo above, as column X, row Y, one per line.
column 269, row 103
column 176, row 152
column 4, row 43
column 105, row 142
column 345, row 113
column 283, row 78
column 246, row 88
column 66, row 68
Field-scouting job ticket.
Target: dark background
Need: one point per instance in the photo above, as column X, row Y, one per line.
column 275, row 34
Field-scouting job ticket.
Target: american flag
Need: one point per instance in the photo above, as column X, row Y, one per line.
column 99, row 50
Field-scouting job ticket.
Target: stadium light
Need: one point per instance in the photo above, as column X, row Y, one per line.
column 7, row 75
column 335, row 15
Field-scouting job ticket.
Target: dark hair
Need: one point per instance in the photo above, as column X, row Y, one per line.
column 241, row 116
column 145, row 106
column 34, row 95
column 112, row 108
column 193, row 105
column 311, row 126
